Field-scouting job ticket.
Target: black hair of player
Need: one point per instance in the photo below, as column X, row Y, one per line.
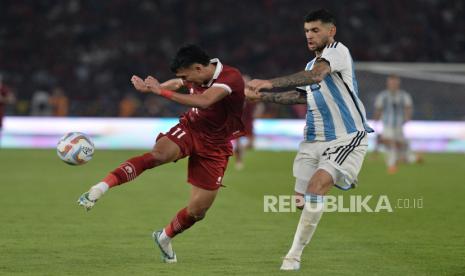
column 322, row 14
column 188, row 55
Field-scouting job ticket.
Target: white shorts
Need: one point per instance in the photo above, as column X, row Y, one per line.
column 393, row 133
column 341, row 158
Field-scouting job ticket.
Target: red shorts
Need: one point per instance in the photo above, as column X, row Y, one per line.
column 207, row 161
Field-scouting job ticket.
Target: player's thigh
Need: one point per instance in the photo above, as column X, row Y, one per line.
column 174, row 144
column 200, row 201
column 399, row 137
column 165, row 150
column 305, row 165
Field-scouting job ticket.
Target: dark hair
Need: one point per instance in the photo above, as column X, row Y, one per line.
column 323, row 15
column 188, row 55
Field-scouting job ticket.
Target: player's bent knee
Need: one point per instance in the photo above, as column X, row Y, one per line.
column 161, row 157
column 198, row 214
column 299, row 201
column 321, row 183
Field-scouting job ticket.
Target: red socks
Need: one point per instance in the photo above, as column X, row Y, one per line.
column 180, row 222
column 130, row 169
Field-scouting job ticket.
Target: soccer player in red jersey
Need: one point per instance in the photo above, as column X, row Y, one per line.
column 204, row 133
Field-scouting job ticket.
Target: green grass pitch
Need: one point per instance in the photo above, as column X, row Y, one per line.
column 43, row 232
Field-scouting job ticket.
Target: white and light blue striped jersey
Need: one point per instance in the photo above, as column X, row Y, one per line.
column 333, row 106
column 392, row 105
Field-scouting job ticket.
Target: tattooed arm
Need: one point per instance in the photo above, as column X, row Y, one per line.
column 316, row 75
column 289, row 97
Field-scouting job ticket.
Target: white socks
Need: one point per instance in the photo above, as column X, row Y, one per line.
column 98, row 190
column 311, row 214
column 165, row 240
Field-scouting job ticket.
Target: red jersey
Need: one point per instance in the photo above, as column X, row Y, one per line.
column 221, row 122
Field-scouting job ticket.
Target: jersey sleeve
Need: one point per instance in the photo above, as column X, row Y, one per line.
column 229, row 82
column 336, row 55
column 225, row 86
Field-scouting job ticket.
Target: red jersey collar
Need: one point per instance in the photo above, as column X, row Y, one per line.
column 219, row 68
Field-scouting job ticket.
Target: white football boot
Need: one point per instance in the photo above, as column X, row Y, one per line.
column 167, row 253
column 88, row 199
column 290, row 264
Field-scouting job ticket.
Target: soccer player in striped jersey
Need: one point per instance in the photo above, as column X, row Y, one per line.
column 335, row 141
column 394, row 106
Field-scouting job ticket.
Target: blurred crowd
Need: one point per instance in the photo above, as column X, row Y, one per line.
column 75, row 58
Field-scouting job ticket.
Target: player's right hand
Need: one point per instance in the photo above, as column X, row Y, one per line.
column 257, row 85
column 139, row 84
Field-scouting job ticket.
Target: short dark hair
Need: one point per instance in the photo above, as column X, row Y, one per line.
column 188, row 55
column 323, row 15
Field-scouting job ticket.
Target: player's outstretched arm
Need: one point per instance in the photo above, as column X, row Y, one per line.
column 288, row 97
column 140, row 85
column 172, row 84
column 204, row 100
column 316, row 75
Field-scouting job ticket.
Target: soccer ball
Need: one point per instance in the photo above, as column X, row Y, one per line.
column 75, row 148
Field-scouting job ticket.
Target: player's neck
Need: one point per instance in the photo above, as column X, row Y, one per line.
column 211, row 68
column 320, row 51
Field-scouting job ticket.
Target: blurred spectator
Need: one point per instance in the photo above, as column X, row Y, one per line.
column 129, row 106
column 156, row 106
column 93, row 47
column 40, row 104
column 59, row 102
column 6, row 97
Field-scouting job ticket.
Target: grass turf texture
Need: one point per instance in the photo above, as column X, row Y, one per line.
column 43, row 232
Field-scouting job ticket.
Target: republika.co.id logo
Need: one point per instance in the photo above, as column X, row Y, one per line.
column 342, row 204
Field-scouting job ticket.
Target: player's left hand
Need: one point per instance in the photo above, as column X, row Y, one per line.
column 257, row 85
column 251, row 95
column 153, row 84
column 139, row 84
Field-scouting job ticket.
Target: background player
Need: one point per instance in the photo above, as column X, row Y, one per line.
column 247, row 141
column 394, row 106
column 335, row 133
column 204, row 133
column 6, row 97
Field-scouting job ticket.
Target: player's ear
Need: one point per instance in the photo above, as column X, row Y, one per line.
column 332, row 31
